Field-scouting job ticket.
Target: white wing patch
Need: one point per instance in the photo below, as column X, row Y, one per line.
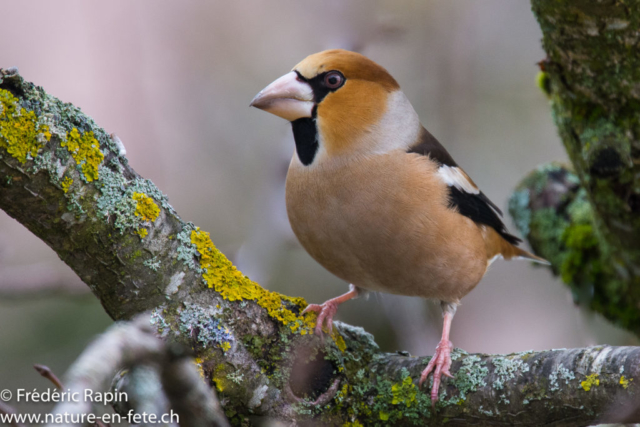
column 454, row 177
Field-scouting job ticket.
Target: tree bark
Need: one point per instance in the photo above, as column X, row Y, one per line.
column 68, row 182
column 586, row 218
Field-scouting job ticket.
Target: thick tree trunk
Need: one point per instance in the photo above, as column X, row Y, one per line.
column 68, row 182
column 586, row 219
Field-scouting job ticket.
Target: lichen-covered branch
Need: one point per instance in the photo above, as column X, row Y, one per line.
column 127, row 345
column 67, row 181
column 586, row 219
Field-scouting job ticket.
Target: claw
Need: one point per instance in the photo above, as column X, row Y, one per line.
column 441, row 361
column 328, row 309
column 325, row 312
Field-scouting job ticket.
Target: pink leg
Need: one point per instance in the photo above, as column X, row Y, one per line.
column 327, row 310
column 441, row 360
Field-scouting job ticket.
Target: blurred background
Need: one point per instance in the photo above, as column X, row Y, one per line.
column 174, row 79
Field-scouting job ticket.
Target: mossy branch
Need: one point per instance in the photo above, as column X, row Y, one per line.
column 586, row 218
column 68, row 182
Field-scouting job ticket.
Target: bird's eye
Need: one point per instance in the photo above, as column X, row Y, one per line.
column 333, row 79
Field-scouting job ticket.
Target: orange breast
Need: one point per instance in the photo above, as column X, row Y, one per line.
column 382, row 223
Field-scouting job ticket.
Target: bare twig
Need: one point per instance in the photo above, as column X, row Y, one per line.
column 9, row 411
column 48, row 374
column 194, row 401
column 129, row 344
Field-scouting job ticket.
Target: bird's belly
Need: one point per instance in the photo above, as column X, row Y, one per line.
column 367, row 231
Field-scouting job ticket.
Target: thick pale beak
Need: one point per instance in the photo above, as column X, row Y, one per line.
column 287, row 97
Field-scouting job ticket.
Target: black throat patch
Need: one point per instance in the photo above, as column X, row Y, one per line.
column 305, row 133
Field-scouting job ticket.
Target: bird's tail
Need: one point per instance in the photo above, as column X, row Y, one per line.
column 522, row 254
column 497, row 246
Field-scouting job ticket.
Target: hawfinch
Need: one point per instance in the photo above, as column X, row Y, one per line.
column 375, row 198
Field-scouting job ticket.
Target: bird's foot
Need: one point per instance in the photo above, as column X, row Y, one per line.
column 325, row 311
column 439, row 364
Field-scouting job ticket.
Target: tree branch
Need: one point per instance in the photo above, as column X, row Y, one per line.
column 127, row 345
column 65, row 179
column 586, row 219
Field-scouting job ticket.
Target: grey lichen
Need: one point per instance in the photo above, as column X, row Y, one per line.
column 174, row 283
column 236, row 377
column 560, row 373
column 187, row 251
column 152, row 263
column 46, row 162
column 113, row 203
column 483, row 411
column 201, row 324
column 469, row 378
column 258, row 394
column 519, row 202
column 158, row 321
column 506, row 369
column 116, row 199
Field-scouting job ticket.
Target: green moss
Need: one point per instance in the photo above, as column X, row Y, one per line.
column 22, row 134
column 398, row 402
column 579, row 240
column 547, row 230
column 594, row 76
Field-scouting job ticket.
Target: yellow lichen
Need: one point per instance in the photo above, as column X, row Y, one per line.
column 198, row 363
column 353, row 424
column 384, row 416
column 625, row 382
column 146, row 207
column 20, row 133
column 337, row 338
column 591, row 381
column 223, row 276
column 226, row 346
column 66, row 183
column 85, row 150
column 142, row 232
column 219, row 378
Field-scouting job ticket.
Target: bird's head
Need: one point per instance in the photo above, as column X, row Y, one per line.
column 339, row 103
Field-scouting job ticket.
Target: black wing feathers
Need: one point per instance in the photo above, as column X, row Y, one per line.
column 489, row 202
column 473, row 206
column 428, row 145
column 477, row 207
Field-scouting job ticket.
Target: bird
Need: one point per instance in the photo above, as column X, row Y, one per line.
column 375, row 199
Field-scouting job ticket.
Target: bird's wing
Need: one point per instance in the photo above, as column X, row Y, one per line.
column 464, row 194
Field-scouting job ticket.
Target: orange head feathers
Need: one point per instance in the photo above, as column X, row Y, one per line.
column 337, row 102
column 352, row 65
